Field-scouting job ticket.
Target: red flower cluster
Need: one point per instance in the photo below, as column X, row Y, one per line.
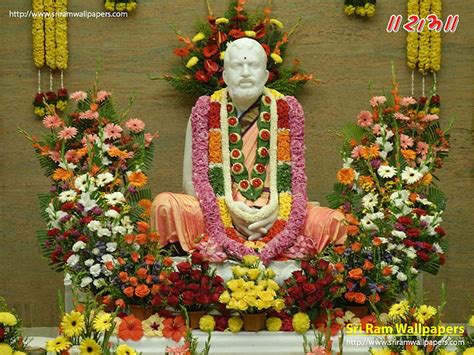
column 283, row 110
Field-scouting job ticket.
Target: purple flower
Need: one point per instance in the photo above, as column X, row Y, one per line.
column 399, row 226
column 376, row 163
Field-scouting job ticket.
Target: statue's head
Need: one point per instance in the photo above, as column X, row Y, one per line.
column 245, row 69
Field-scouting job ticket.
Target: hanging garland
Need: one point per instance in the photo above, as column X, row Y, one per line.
column 120, row 5
column 424, row 47
column 50, row 47
column 360, row 7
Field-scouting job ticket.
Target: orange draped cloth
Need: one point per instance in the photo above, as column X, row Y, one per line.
column 178, row 217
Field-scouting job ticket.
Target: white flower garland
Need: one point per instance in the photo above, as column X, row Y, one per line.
column 268, row 209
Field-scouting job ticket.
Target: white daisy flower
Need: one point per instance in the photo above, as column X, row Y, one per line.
column 111, row 214
column 78, row 246
column 386, row 171
column 94, row 270
column 376, row 215
column 115, row 198
column 85, row 281
column 104, row 232
column 411, row 176
column 368, row 225
column 94, row 226
column 111, row 247
column 81, row 182
column 369, row 201
column 104, row 179
column 73, row 260
column 68, row 195
column 106, row 258
column 87, row 202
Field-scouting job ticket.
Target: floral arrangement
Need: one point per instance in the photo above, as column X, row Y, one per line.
column 424, row 48
column 11, row 340
column 120, row 5
column 203, row 54
column 313, row 288
column 88, row 329
column 96, row 160
column 393, row 209
column 360, row 7
column 468, row 346
column 282, row 138
column 194, row 286
column 252, row 288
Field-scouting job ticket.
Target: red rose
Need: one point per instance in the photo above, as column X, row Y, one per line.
column 425, row 245
column 202, row 298
column 180, row 285
column 312, row 271
column 309, row 288
column 405, row 220
column 409, row 243
column 164, row 289
column 197, row 258
column 157, row 300
column 174, row 276
column 304, row 264
column 295, row 291
column 215, row 297
column 413, row 232
column 53, row 232
column 172, row 300
column 195, row 275
column 334, row 290
column 193, row 287
column 323, row 264
column 221, row 323
column 184, row 267
column 188, row 298
column 440, row 230
column 422, row 255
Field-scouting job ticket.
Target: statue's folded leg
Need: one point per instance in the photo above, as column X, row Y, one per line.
column 324, row 225
column 177, row 218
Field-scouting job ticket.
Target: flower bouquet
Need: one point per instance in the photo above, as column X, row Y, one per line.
column 95, row 158
column 193, row 286
column 11, row 340
column 252, row 290
column 313, row 288
column 203, row 55
column 386, row 189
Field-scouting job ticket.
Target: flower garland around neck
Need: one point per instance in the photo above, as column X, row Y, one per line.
column 212, row 174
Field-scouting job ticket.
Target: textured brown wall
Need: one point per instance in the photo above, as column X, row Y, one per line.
column 346, row 53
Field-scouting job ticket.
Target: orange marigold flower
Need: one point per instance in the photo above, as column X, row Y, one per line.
column 114, row 152
column 283, row 144
column 174, row 328
column 356, row 274
column 345, row 176
column 427, row 179
column 215, row 148
column 62, row 174
column 408, row 154
column 369, row 153
column 137, row 178
column 366, row 182
column 130, row 328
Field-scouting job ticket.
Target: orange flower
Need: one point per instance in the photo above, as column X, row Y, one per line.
column 62, row 174
column 427, row 179
column 340, row 249
column 129, row 238
column 80, row 307
column 135, row 257
column 368, row 265
column 123, row 276
column 141, row 239
column 133, row 281
column 155, row 289
column 387, row 271
column 360, row 298
column 356, row 246
column 120, row 303
column 154, row 237
column 283, row 144
column 369, row 153
column 137, row 178
column 120, row 261
column 356, row 274
column 114, row 152
column 109, row 265
column 374, row 298
column 366, row 182
column 146, row 205
column 376, row 241
column 107, row 300
column 149, row 259
column 142, row 273
column 413, row 196
column 215, row 147
column 129, row 291
column 408, row 154
column 130, row 328
column 339, row 267
column 167, row 261
column 345, row 176
column 174, row 328
column 143, row 226
column 142, row 290
column 352, row 230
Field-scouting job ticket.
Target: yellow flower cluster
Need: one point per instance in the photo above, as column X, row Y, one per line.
column 366, row 10
column 111, row 5
column 424, row 313
column 235, row 324
column 207, row 323
column 399, row 310
column 8, row 319
column 301, row 322
column 73, row 324
column 284, row 199
column 224, row 212
column 50, row 34
column 217, row 95
column 412, row 37
column 61, row 36
column 37, row 32
column 435, row 39
column 6, row 349
column 424, row 50
column 273, row 324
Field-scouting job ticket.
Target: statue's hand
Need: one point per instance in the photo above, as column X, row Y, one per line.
column 263, row 225
column 241, row 225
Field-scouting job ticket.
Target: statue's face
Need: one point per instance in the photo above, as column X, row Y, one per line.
column 245, row 69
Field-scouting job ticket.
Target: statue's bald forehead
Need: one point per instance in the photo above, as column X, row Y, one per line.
column 245, row 44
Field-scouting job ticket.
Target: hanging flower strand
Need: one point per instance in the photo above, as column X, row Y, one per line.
column 435, row 39
column 360, row 7
column 50, row 34
column 61, row 35
column 38, row 34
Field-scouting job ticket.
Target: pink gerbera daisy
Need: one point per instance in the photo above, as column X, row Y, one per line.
column 408, row 100
column 356, row 152
column 429, row 118
column 113, row 131
column 102, row 95
column 149, row 138
column 364, row 119
column 376, row 129
column 78, row 96
column 401, row 116
column 67, row 133
column 405, row 141
column 135, row 125
column 377, row 100
column 88, row 115
column 422, row 148
column 52, row 121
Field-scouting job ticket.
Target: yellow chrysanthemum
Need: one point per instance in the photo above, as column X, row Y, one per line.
column 250, row 260
column 398, row 310
column 153, row 326
column 192, row 62
column 50, row 34
column 61, row 35
column 224, row 212
column 58, row 344
column 207, row 323
column 272, row 285
column 273, row 324
column 8, row 319
column 424, row 313
column 90, row 346
column 270, row 273
column 125, row 350
column 301, row 322
column 235, row 324
column 102, row 322
column 198, row 37
column 276, row 22
column 73, row 324
column 253, row 273
column 221, row 20
column 6, row 349
column 38, row 34
column 276, row 58
column 250, row 34
column 217, row 95
column 285, row 200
